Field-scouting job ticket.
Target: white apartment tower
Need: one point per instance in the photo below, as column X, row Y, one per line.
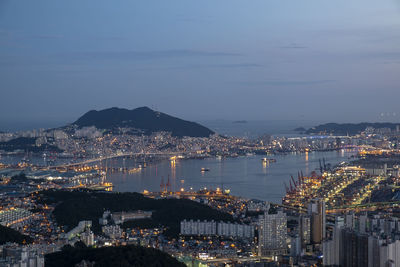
column 272, row 234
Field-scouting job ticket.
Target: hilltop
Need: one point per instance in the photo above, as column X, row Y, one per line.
column 144, row 120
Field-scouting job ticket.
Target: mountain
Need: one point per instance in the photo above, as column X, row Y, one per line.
column 143, row 119
column 300, row 129
column 348, row 128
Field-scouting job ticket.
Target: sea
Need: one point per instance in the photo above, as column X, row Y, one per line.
column 245, row 176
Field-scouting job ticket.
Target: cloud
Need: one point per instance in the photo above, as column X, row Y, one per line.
column 146, row 55
column 110, row 38
column 388, row 55
column 46, row 36
column 221, row 66
column 286, row 83
column 238, row 65
column 293, row 46
column 186, row 18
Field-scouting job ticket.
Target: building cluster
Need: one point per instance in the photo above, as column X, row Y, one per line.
column 12, row 255
column 89, row 142
column 363, row 240
column 274, row 239
column 87, row 237
column 121, row 217
column 300, row 231
column 76, row 231
column 112, row 231
column 212, row 228
column 15, row 216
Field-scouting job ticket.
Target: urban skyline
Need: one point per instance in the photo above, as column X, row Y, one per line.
column 199, row 133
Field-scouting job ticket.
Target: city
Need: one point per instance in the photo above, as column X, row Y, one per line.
column 353, row 200
column 199, row 133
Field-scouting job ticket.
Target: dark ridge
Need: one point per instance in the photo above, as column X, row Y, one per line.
column 26, row 144
column 75, row 206
column 130, row 255
column 10, row 235
column 144, row 119
column 300, row 129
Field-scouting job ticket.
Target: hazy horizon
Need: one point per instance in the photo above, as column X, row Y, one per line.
column 328, row 61
column 213, row 124
column 270, row 126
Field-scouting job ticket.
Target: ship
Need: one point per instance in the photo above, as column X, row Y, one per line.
column 268, row 160
column 204, row 169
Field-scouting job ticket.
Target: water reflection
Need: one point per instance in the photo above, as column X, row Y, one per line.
column 245, row 176
column 306, row 161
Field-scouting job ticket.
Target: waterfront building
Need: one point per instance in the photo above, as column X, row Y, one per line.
column 376, row 169
column 272, row 234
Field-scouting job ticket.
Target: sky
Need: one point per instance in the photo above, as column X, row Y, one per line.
column 201, row 60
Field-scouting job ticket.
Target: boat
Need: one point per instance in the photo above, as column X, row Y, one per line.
column 268, row 160
column 204, row 170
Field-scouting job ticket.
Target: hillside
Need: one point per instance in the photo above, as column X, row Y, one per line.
column 75, row 206
column 26, row 144
column 143, row 119
column 348, row 128
column 10, row 235
column 112, row 256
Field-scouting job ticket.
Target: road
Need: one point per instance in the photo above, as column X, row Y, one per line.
column 115, row 156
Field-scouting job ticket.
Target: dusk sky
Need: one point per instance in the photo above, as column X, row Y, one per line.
column 199, row 60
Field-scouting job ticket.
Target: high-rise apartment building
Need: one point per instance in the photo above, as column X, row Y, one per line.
column 316, row 210
column 357, row 244
column 305, row 230
column 272, row 234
